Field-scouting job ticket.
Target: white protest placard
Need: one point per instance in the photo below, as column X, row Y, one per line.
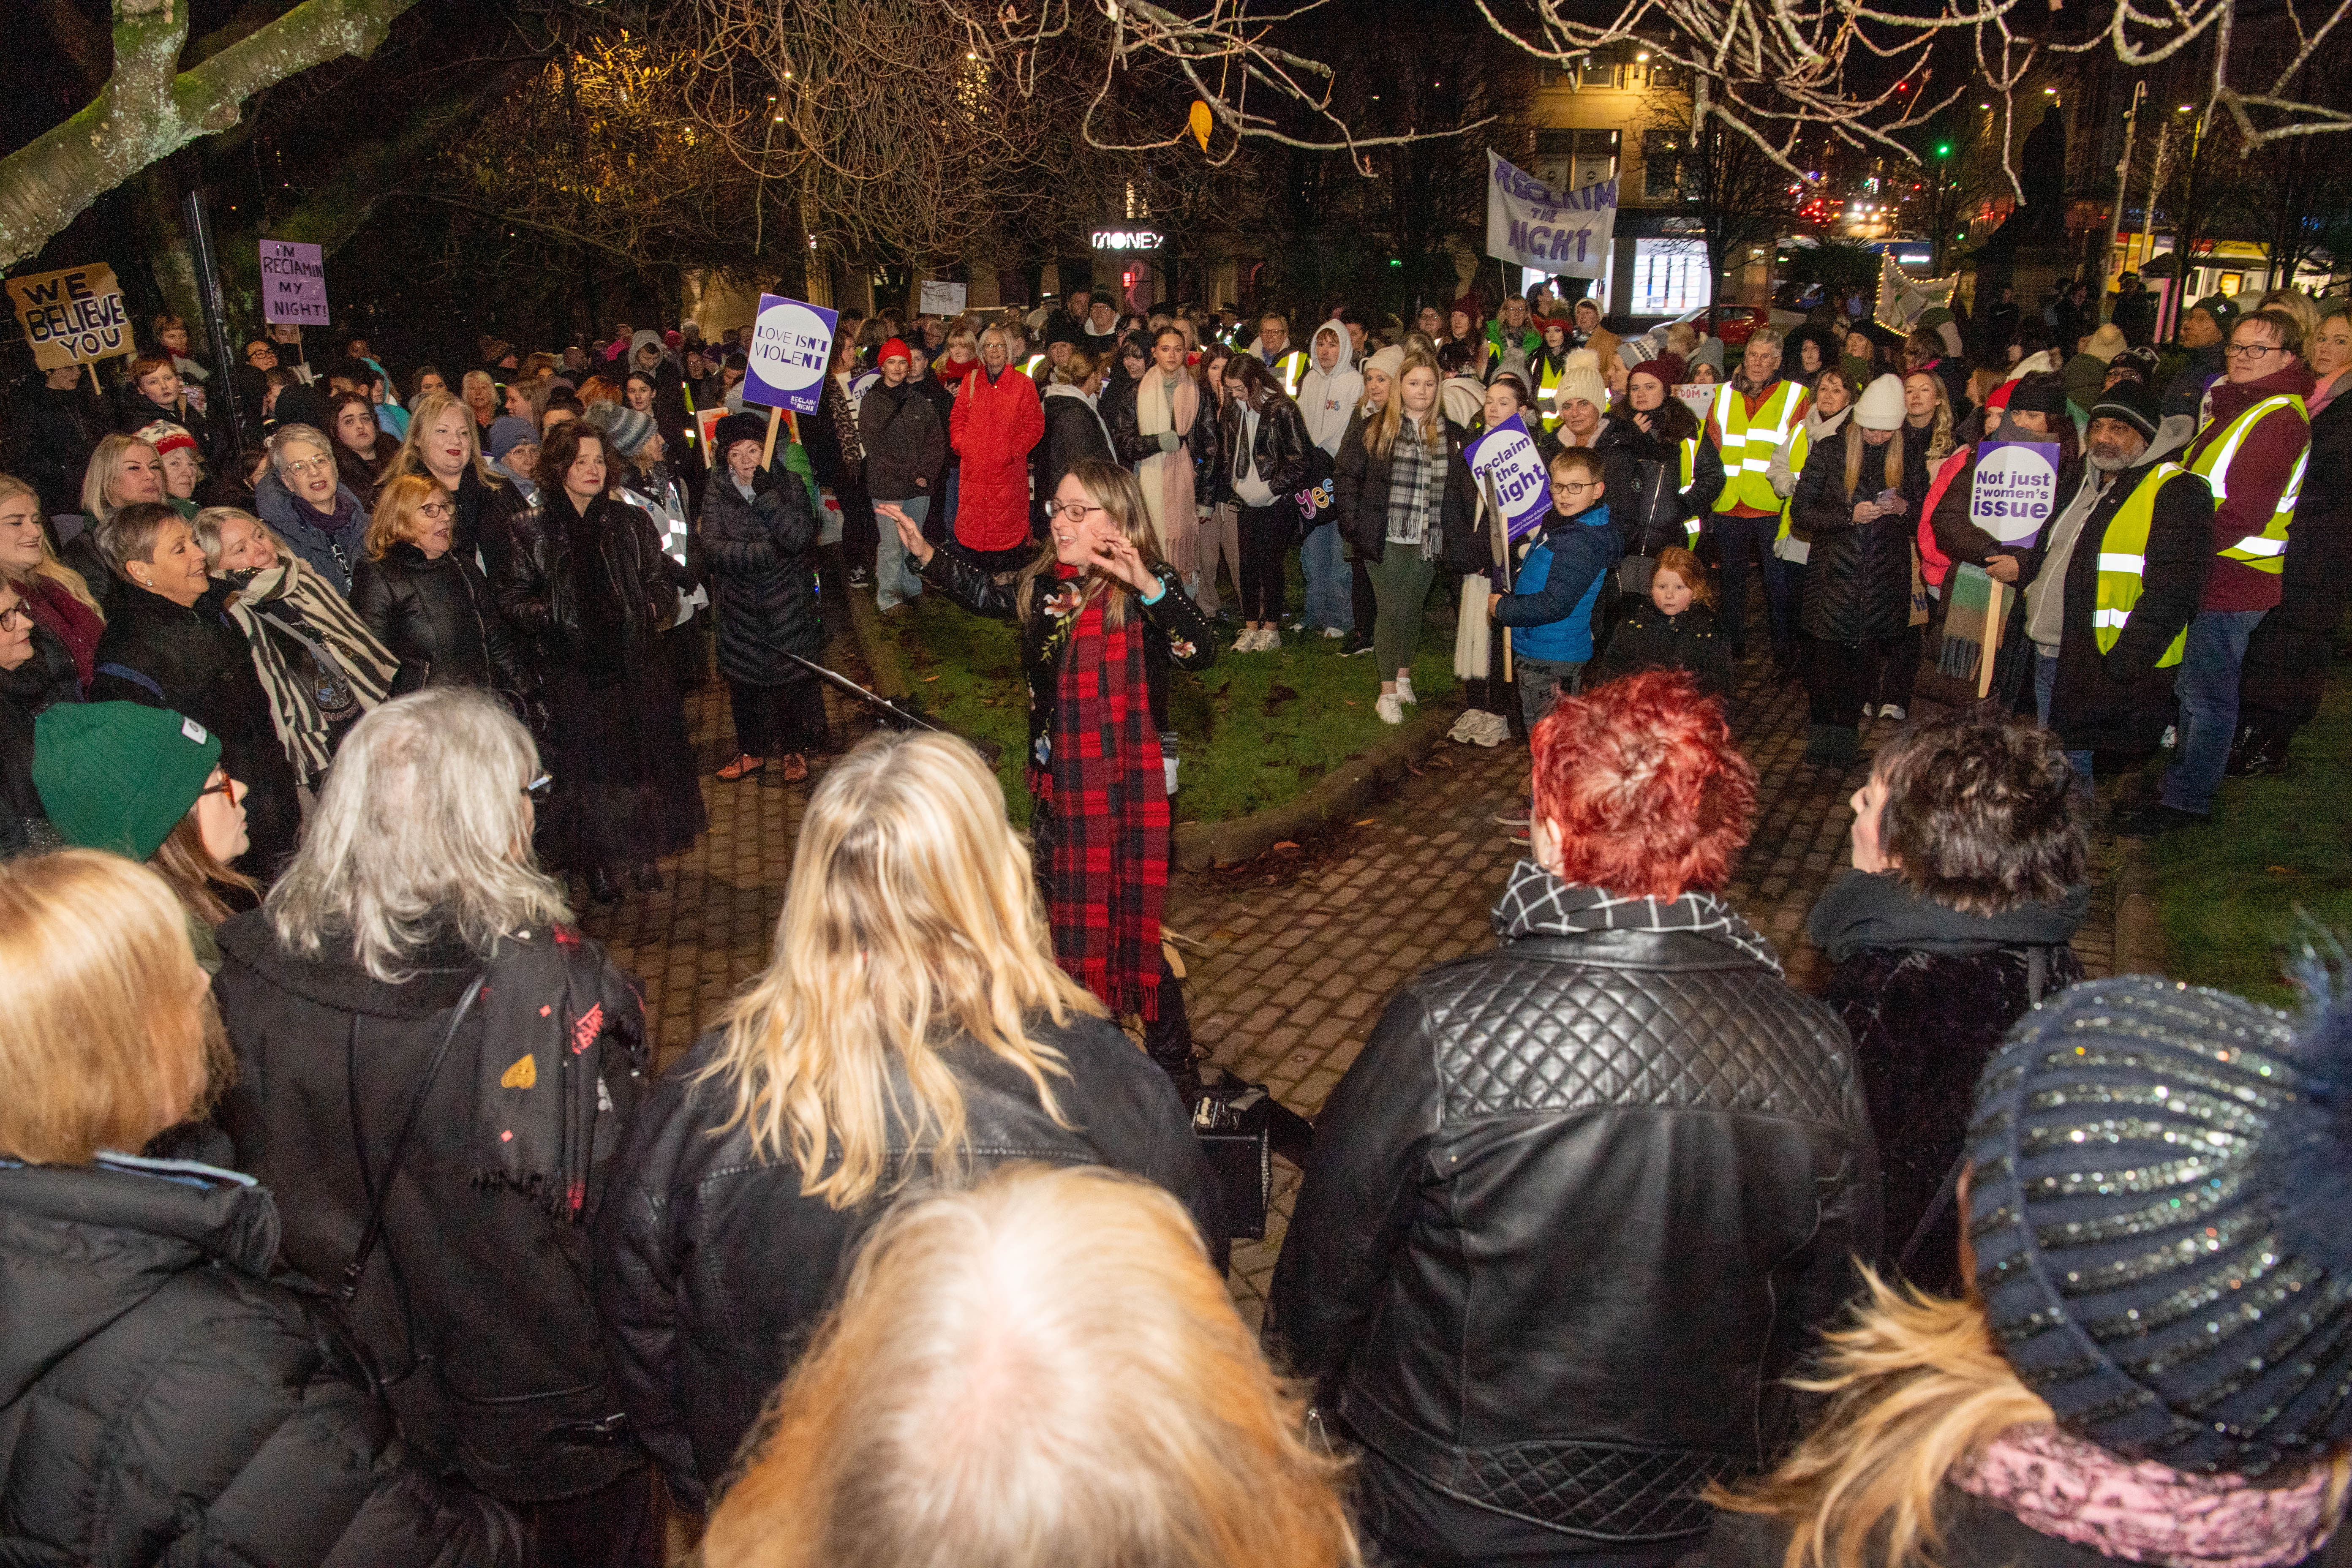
column 1508, row 456
column 1544, row 230
column 1699, row 398
column 2015, row 490
column 938, row 299
column 73, row 317
column 790, row 352
column 293, row 283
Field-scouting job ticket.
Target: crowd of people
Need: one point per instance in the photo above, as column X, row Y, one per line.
column 345, row 1217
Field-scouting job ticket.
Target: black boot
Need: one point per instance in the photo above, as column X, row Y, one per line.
column 604, row 887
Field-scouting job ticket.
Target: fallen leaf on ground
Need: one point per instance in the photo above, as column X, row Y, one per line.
column 1283, row 845
column 1365, row 821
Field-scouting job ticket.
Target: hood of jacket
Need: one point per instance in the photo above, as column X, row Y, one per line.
column 1063, row 389
column 330, row 979
column 1819, row 424
column 2231, row 398
column 1327, row 398
column 129, row 1226
column 1863, row 909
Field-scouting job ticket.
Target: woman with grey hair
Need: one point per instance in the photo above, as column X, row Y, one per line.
column 302, row 496
column 434, row 1069
column 320, row 664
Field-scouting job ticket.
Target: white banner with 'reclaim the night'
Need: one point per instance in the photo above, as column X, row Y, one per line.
column 1534, row 226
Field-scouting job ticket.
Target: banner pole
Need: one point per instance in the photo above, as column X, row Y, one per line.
column 767, row 448
column 208, row 292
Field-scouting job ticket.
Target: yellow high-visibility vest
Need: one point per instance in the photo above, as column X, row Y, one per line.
column 1748, row 443
column 1801, row 447
column 1547, row 381
column 2266, row 551
column 1289, row 369
column 2122, row 564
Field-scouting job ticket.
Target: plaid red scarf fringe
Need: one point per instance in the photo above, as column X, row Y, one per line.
column 1108, row 872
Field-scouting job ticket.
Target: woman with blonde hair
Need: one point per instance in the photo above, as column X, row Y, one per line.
column 2150, row 1362
column 124, row 470
column 911, row 1025
column 168, row 1401
column 1102, row 621
column 1401, row 492
column 58, row 597
column 880, row 1448
column 1857, row 603
column 434, row 1067
column 442, row 445
column 426, row 603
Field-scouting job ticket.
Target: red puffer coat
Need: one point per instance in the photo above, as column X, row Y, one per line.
column 993, row 427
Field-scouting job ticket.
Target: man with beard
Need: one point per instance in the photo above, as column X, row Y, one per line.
column 2120, row 580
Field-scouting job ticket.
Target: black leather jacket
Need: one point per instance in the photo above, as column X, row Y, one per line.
column 437, row 619
column 1579, row 1204
column 712, row 1267
column 1280, row 448
column 537, row 586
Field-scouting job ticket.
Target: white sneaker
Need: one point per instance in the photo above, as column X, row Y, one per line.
column 1493, row 730
column 1388, row 707
column 1467, row 727
column 1268, row 640
column 1892, row 710
column 1334, row 633
column 1247, row 642
column 1404, row 691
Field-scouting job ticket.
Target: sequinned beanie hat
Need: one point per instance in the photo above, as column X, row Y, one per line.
column 2161, row 1183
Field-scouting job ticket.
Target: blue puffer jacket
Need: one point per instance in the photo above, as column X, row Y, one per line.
column 1559, row 583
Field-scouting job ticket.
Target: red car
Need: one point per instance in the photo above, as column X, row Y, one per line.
column 1734, row 323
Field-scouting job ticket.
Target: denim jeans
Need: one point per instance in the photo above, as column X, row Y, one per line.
column 2208, row 688
column 895, row 580
column 2045, row 682
column 1541, row 683
column 1328, row 598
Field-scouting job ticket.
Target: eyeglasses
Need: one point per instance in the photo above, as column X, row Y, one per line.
column 15, row 616
column 226, row 786
column 2255, row 351
column 309, row 465
column 538, row 788
column 436, row 509
column 1570, row 488
column 1072, row 510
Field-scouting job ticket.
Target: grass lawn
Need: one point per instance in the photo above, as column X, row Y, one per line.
column 2232, row 893
column 1256, row 728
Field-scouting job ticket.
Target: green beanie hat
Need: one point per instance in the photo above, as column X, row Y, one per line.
column 120, row 775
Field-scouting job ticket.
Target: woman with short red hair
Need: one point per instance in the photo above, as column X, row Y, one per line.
column 1581, row 1201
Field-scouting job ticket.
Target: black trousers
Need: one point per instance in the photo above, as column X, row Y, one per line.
column 1739, row 542
column 778, row 721
column 2286, row 668
column 1840, row 677
column 861, row 533
column 1266, row 545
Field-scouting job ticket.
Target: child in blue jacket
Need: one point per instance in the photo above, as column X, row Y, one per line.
column 1562, row 572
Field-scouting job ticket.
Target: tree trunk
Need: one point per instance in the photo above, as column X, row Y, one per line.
column 149, row 109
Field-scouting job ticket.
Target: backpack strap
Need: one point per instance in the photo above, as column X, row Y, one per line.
column 140, row 678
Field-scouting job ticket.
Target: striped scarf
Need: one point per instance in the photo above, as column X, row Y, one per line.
column 290, row 599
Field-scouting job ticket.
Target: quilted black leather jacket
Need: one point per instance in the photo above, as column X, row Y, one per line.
column 1578, row 1206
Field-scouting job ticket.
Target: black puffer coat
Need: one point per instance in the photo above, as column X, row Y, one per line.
column 538, row 592
column 1075, row 432
column 195, row 661
column 1644, row 472
column 1858, row 580
column 1578, row 1207
column 163, row 1401
column 712, row 1268
column 1360, row 490
column 55, row 430
column 476, row 1307
column 485, row 512
column 761, row 553
column 437, row 619
column 1928, row 993
column 46, row 678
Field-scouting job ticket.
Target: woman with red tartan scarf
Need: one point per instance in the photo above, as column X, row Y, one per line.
column 1102, row 618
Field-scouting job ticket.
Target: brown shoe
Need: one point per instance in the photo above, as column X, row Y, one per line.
column 745, row 766
column 795, row 768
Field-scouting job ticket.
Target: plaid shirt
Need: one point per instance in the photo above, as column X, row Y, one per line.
column 1416, row 491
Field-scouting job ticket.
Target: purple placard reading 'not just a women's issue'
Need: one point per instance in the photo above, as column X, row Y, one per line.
column 791, row 351
column 2014, row 492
